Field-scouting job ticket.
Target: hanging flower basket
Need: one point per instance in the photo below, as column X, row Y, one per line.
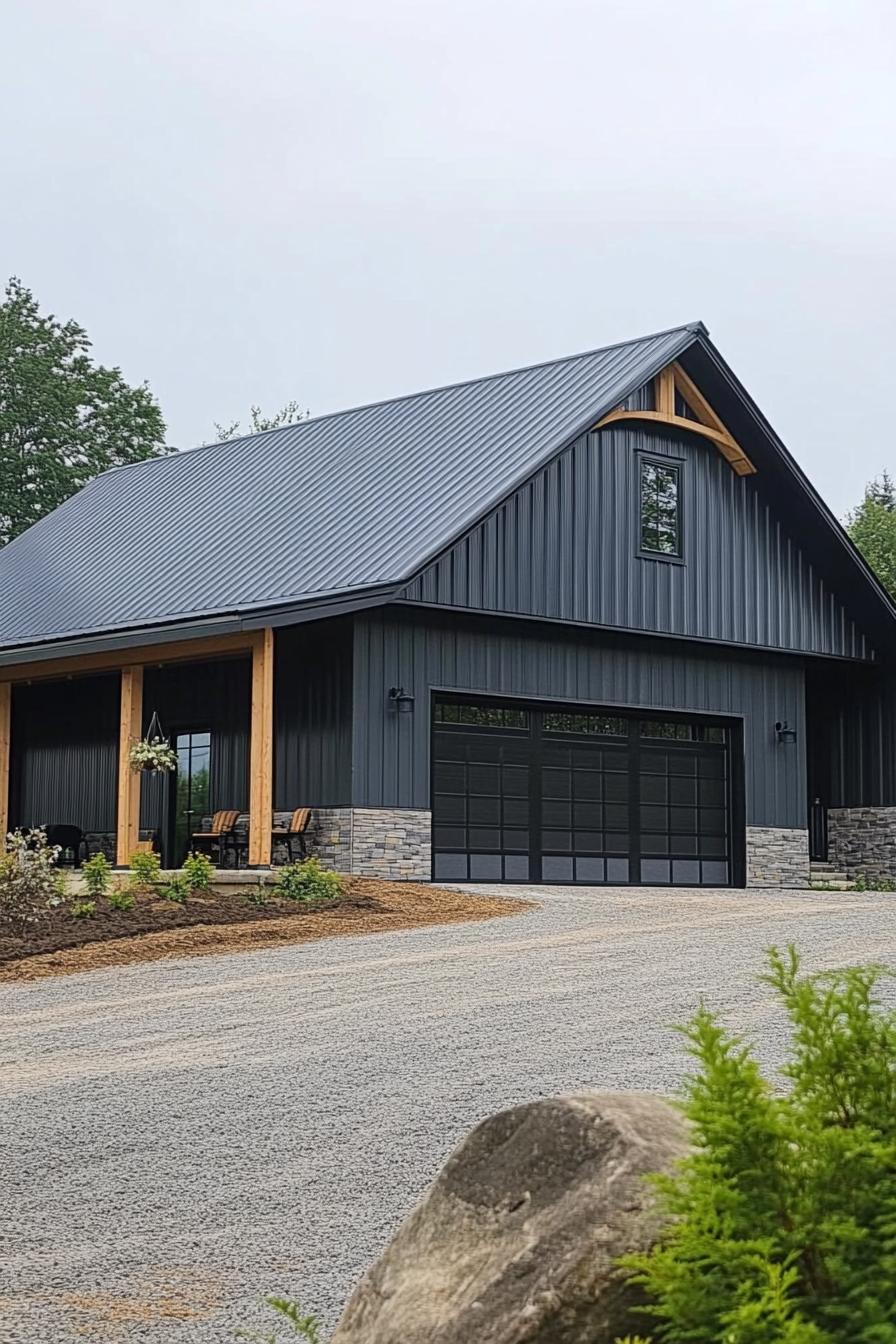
column 154, row 751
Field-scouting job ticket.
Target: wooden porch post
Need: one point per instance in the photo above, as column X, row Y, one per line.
column 261, row 749
column 5, row 719
column 130, row 726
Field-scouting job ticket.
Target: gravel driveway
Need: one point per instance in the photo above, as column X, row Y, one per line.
column 183, row 1136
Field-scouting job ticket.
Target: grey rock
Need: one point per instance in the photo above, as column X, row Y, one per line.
column 517, row 1241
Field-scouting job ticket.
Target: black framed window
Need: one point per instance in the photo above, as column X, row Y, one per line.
column 659, row 508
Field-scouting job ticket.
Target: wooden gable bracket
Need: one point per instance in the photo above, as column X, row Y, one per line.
column 673, row 379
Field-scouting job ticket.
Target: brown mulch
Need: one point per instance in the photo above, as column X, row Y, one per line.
column 226, row 921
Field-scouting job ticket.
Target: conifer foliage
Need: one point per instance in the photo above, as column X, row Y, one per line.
column 784, row 1217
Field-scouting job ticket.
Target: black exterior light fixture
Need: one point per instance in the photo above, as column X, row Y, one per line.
column 785, row 733
column 401, row 700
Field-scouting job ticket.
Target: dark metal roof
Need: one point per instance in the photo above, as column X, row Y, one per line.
column 358, row 500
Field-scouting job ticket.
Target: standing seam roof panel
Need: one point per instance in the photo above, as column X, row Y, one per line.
column 352, row 500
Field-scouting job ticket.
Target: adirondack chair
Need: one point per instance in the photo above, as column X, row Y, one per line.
column 294, row 832
column 219, row 834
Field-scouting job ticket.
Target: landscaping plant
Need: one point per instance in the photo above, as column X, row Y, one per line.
column 297, row 1324
column 199, row 871
column 121, row 900
column 82, row 909
column 146, row 867
column 307, row 881
column 783, row 1223
column 30, row 883
column 177, row 888
column 97, row 874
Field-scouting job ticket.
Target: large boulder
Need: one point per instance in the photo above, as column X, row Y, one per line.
column 517, row 1240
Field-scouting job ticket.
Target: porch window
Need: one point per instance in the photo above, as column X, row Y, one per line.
column 659, row 502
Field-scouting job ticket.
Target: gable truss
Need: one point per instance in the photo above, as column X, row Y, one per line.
column 673, row 380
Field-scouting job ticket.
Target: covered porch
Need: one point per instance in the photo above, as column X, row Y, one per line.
column 67, row 726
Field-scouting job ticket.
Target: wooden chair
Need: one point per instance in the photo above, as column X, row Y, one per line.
column 219, row 833
column 295, row 830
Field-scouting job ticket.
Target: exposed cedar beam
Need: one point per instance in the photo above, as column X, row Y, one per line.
column 5, row 723
column 673, row 379
column 130, row 725
column 664, row 386
column 261, row 749
column 140, row 655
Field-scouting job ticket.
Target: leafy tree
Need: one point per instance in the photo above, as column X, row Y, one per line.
column 783, row 1223
column 63, row 418
column 258, row 423
column 872, row 527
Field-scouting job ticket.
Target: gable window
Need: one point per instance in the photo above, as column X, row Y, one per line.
column 659, row 508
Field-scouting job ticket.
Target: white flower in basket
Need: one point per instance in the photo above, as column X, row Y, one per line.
column 154, row 751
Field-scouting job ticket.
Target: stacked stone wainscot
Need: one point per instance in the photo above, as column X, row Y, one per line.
column 863, row 840
column 777, row 857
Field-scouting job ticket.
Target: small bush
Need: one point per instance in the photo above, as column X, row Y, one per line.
column 199, row 871
column 865, row 882
column 176, row 889
column 121, row 900
column 297, row 1323
column 30, row 883
column 783, row 1223
column 307, row 881
column 257, row 895
column 82, row 909
column 146, row 866
column 97, row 874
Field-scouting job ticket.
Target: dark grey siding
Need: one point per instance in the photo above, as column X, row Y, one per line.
column 564, row 546
column 212, row 696
column 422, row 651
column 852, row 736
column 313, row 706
column 65, row 753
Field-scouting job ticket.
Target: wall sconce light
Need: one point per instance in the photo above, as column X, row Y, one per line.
column 784, row 733
column 401, row 700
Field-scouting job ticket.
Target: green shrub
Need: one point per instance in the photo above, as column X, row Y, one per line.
column 121, row 900
column 177, row 888
column 146, row 866
column 307, row 881
column 82, row 909
column 297, row 1323
column 30, row 883
column 97, row 875
column 199, row 871
column 865, row 882
column 784, row 1217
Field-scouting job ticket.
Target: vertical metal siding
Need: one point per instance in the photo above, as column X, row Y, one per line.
column 212, row 696
column 312, row 715
column 565, row 546
column 391, row 751
column 64, row 759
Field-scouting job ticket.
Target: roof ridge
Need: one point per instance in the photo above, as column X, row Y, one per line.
column 697, row 327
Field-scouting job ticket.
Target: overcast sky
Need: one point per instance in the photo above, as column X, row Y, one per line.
column 346, row 200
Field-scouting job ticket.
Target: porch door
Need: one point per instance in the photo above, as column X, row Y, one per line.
column 191, row 795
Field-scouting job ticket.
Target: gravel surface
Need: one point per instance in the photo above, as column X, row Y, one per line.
column 183, row 1136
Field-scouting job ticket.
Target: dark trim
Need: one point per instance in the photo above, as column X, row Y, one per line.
column 230, row 624
column 641, row 457
column 626, row 631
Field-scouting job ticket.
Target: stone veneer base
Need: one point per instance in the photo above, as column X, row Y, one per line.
column 396, row 843
column 390, row 842
column 863, row 840
column 777, row 857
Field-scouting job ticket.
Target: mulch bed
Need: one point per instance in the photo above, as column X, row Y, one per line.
column 227, row 921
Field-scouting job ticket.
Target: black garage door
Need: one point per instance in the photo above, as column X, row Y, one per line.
column 533, row 794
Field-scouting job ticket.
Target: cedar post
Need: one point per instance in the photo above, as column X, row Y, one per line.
column 130, row 726
column 261, row 750
column 5, row 721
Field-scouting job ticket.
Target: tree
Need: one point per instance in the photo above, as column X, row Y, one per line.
column 872, row 527
column 287, row 415
column 63, row 418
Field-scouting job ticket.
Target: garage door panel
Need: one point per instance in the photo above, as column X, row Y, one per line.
column 575, row 805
